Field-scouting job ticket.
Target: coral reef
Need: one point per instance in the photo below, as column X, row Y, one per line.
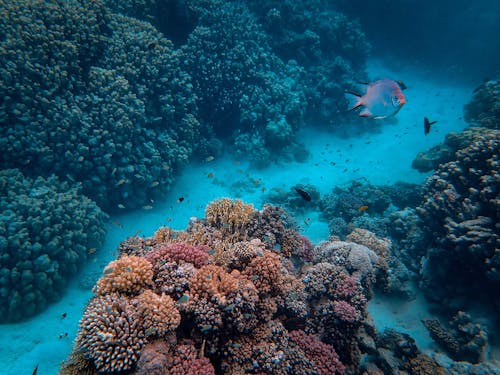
column 127, row 275
column 359, row 205
column 394, row 352
column 445, row 152
column 331, row 48
column 239, row 81
column 47, row 231
column 461, row 210
column 110, row 333
column 111, row 85
column 484, row 108
column 464, row 340
column 242, row 303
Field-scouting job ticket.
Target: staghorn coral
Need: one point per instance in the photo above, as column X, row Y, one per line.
column 127, row 275
column 47, row 230
column 110, row 333
column 159, row 314
column 230, row 216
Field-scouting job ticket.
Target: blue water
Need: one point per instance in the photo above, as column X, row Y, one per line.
column 152, row 148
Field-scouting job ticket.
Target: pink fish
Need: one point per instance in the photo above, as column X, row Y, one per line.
column 383, row 98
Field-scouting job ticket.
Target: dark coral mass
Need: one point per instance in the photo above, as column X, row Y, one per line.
column 47, row 230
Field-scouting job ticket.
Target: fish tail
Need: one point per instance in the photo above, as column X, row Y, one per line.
column 354, row 100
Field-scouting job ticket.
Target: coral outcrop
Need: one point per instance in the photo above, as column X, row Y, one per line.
column 461, row 209
column 484, row 108
column 222, row 297
column 47, row 231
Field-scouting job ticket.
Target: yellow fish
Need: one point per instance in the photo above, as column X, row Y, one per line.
column 363, row 208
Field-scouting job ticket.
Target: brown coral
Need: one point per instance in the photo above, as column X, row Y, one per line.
column 128, row 275
column 212, row 281
column 159, row 313
column 230, row 216
column 265, row 273
column 110, row 333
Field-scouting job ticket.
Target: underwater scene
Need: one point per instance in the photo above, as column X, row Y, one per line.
column 201, row 187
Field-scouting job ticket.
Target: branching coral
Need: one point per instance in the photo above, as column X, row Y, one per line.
column 127, row 275
column 160, row 316
column 110, row 333
column 265, row 273
column 230, row 216
column 323, row 355
column 484, row 108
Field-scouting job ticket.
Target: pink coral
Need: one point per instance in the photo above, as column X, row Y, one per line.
column 306, row 249
column 179, row 252
column 346, row 312
column 323, row 355
column 187, row 362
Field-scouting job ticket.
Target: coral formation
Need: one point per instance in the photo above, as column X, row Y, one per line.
column 463, row 341
column 243, row 305
column 484, row 108
column 111, row 334
column 127, row 108
column 330, row 47
column 461, row 210
column 47, row 230
column 127, row 275
column 445, row 152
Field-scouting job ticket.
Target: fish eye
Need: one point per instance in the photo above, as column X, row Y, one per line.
column 395, row 101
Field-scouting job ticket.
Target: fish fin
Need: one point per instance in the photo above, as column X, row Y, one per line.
column 353, row 99
column 432, row 122
column 365, row 113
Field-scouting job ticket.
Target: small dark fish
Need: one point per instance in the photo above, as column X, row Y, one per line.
column 35, row 370
column 63, row 315
column 304, row 194
column 180, row 199
column 427, row 125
